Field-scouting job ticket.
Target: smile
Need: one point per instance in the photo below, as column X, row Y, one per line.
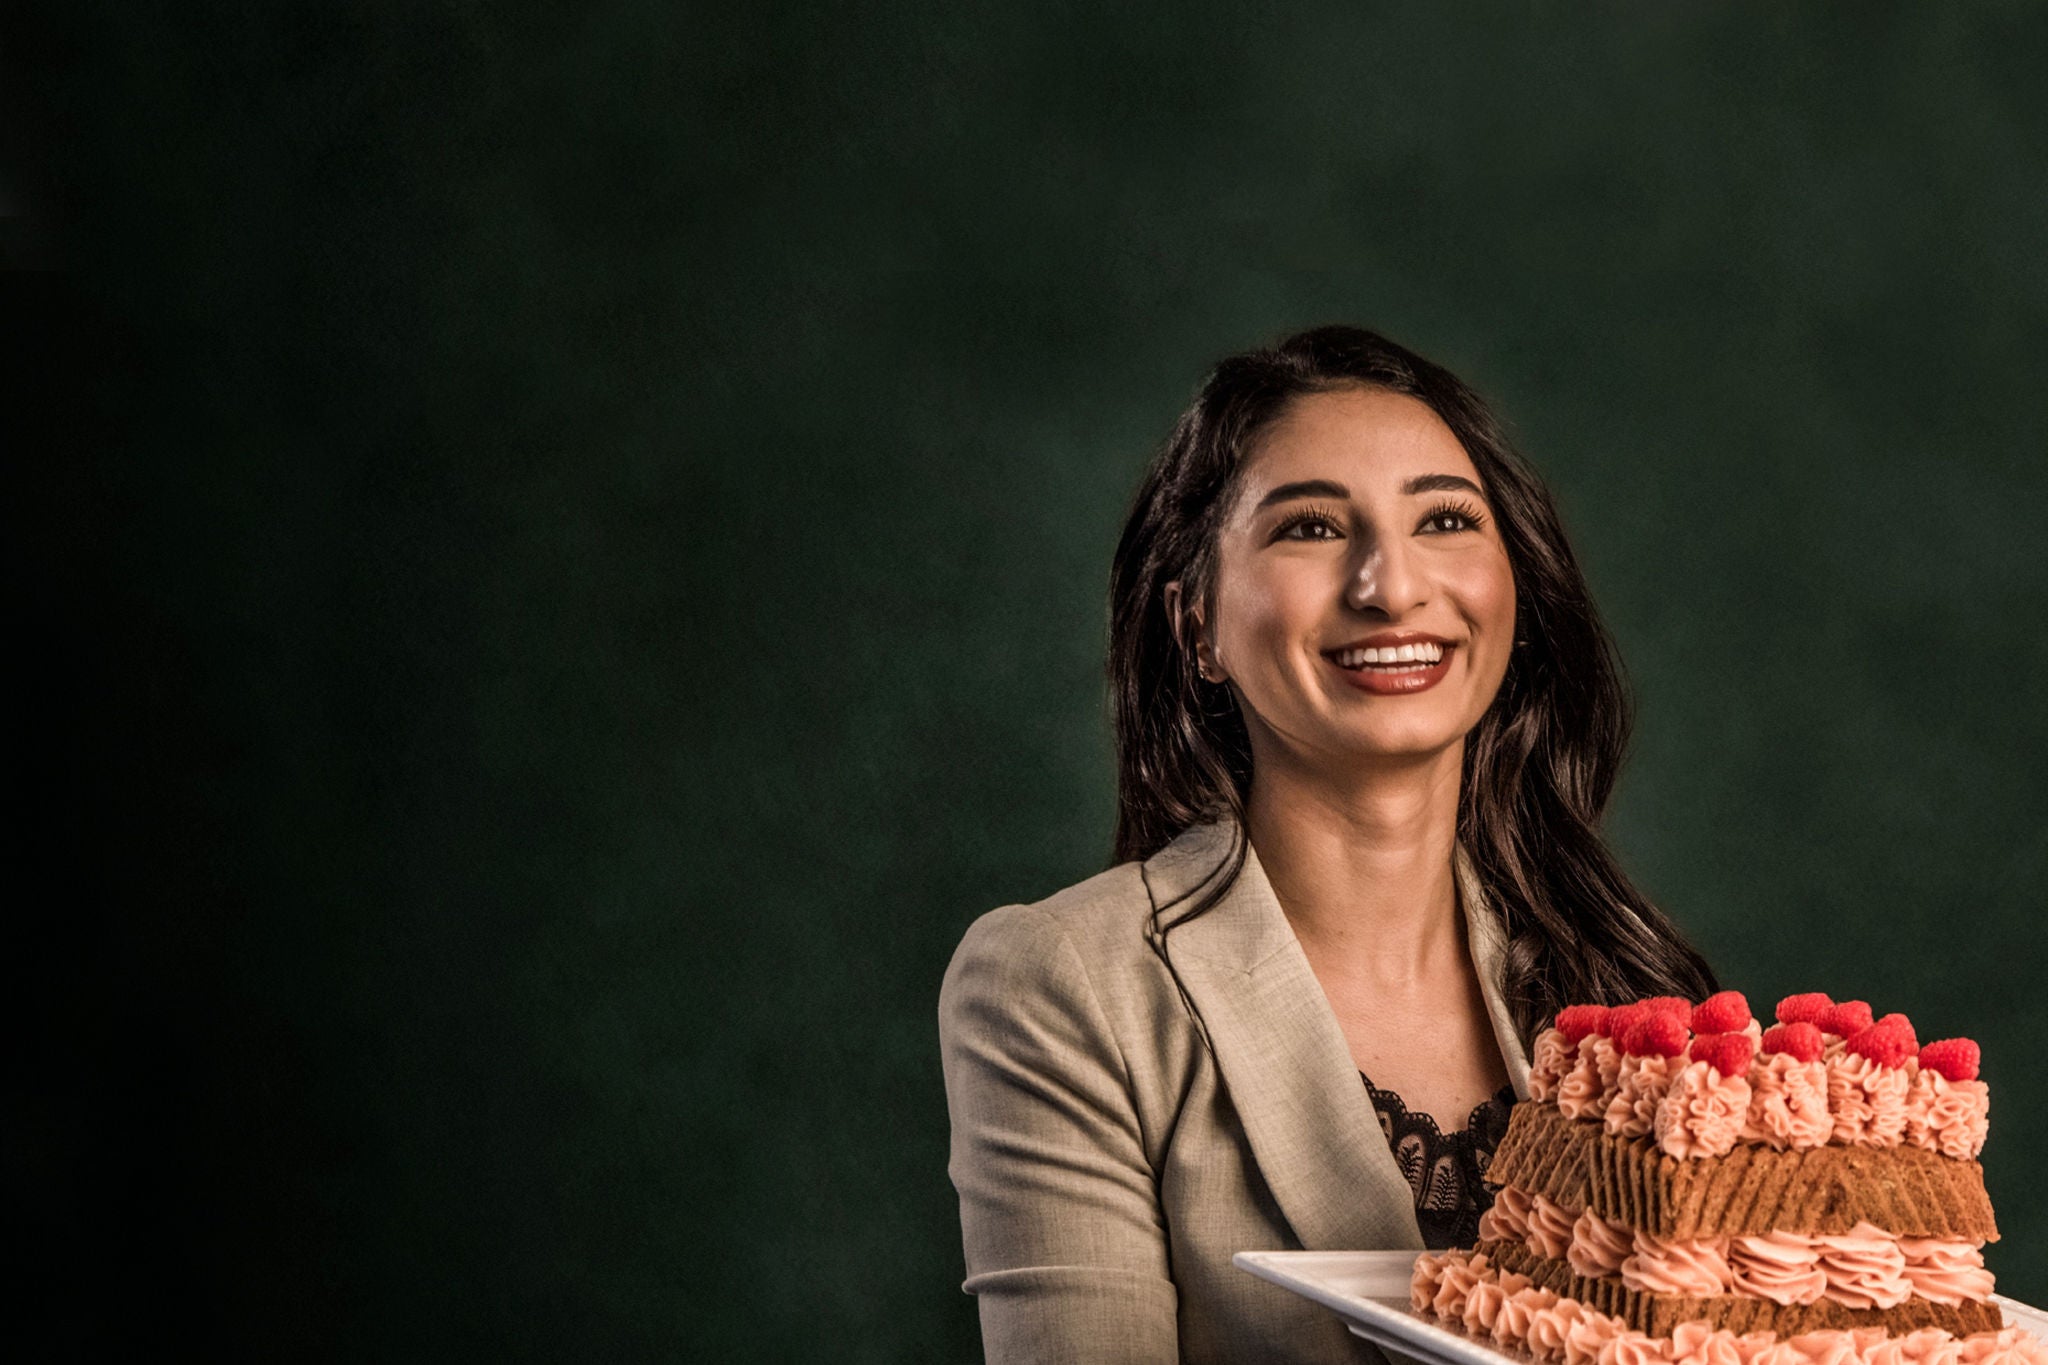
column 1393, row 669
column 1401, row 656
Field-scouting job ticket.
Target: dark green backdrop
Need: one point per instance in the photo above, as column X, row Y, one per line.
column 564, row 553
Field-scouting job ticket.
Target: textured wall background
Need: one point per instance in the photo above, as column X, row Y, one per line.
column 565, row 560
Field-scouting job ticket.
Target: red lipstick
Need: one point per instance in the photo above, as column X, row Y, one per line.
column 1393, row 680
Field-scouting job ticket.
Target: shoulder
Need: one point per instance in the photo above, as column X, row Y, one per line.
column 1085, row 944
column 1103, row 920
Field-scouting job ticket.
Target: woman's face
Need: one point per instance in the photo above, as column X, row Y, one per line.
column 1360, row 524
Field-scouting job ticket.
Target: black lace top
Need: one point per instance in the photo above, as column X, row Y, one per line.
column 1444, row 1171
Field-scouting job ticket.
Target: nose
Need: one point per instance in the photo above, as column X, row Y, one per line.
column 1386, row 576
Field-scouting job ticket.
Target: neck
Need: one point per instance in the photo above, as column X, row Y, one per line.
column 1362, row 862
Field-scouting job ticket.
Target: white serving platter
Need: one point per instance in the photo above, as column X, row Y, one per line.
column 1369, row 1290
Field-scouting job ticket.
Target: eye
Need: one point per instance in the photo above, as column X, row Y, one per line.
column 1448, row 517
column 1310, row 516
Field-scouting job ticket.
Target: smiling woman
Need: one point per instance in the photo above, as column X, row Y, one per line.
column 1367, row 723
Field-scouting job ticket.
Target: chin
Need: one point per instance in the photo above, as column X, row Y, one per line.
column 1400, row 745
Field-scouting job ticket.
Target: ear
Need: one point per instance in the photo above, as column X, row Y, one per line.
column 1181, row 619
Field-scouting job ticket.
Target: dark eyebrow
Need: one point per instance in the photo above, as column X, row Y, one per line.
column 1440, row 483
column 1307, row 488
column 1323, row 488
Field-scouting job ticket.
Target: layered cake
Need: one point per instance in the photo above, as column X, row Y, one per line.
column 1684, row 1185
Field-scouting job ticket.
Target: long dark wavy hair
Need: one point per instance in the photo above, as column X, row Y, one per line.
column 1538, row 768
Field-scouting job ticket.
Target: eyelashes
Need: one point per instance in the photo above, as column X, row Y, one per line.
column 1452, row 507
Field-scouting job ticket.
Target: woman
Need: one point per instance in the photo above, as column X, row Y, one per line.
column 1367, row 722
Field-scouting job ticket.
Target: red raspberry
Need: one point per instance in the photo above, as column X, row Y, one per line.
column 1804, row 1009
column 1885, row 1044
column 1669, row 1004
column 1620, row 1020
column 1802, row 1040
column 1727, row 1053
column 1905, row 1026
column 1656, row 1034
column 1849, row 1017
column 1577, row 1021
column 1954, row 1058
column 1726, row 1012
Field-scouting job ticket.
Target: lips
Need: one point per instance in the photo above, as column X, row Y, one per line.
column 1398, row 678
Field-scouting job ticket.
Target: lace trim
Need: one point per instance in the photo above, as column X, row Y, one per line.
column 1443, row 1170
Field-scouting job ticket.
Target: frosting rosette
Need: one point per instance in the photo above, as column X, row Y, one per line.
column 1550, row 1228
column 1587, row 1336
column 1696, row 1343
column 1945, row 1116
column 1508, row 1218
column 1550, row 1060
column 1630, row 1347
column 1598, row 1247
column 1640, row 1085
column 1946, row 1271
column 1517, row 1312
column 1788, row 1103
column 1864, row 1267
column 1548, row 1328
column 1583, row 1092
column 1867, row 1100
column 1696, row 1268
column 1702, row 1113
column 1783, row 1267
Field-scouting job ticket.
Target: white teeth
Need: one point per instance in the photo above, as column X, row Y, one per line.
column 1424, row 654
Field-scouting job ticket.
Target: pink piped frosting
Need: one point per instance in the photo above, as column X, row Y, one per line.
column 1950, row 1117
column 1511, row 1312
column 1864, row 1267
column 1751, row 1345
column 1641, row 1083
column 1589, row 1335
column 1778, row 1353
column 1827, row 1348
column 1482, row 1306
column 1788, row 1103
column 1548, row 1328
column 1946, row 1271
column 1454, row 1283
column 1583, row 1093
column 1508, row 1218
column 1550, row 1228
column 1696, row 1268
column 1926, row 1346
column 1549, row 1061
column 2010, row 1346
column 1702, row 1113
column 1423, row 1281
column 1598, row 1247
column 1783, row 1267
column 2015, row 1340
column 1630, row 1347
column 1511, row 1326
column 1695, row 1343
column 1867, row 1100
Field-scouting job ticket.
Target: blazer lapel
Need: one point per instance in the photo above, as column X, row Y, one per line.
column 1283, row 1059
column 1489, row 945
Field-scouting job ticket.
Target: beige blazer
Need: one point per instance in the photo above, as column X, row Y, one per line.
column 1110, row 1160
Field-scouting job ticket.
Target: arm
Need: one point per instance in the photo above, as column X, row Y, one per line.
column 1059, row 1210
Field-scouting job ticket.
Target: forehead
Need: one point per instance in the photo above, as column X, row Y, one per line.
column 1367, row 439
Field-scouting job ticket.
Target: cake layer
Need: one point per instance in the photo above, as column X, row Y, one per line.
column 1658, row 1314
column 1907, row 1191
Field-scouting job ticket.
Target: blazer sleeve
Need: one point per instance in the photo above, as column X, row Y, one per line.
column 1059, row 1209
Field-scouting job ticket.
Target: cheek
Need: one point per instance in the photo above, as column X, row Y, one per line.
column 1258, row 613
column 1487, row 590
